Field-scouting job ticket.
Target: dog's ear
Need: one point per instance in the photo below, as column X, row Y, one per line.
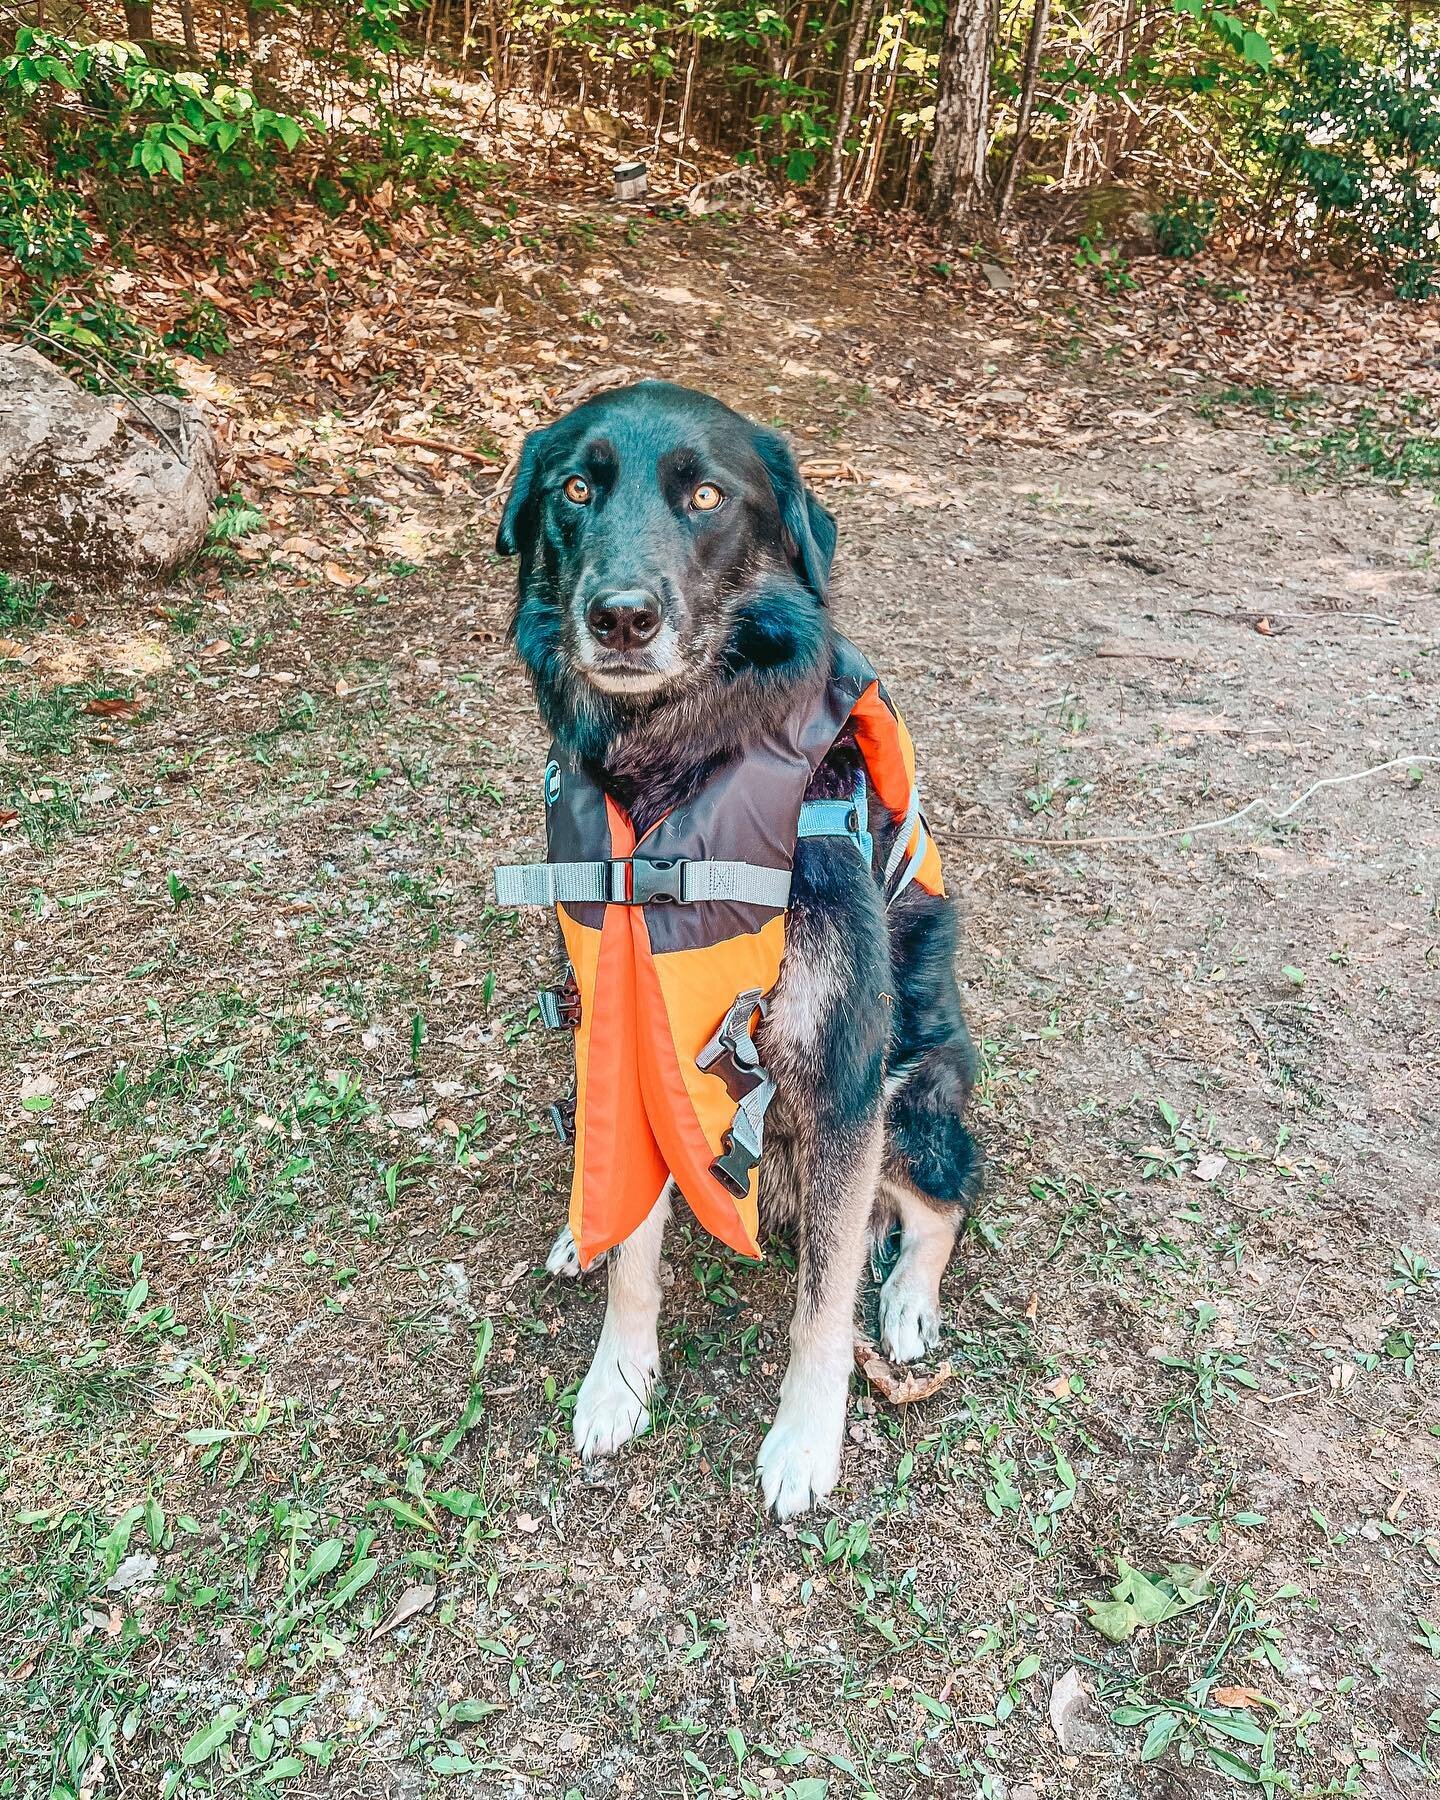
column 809, row 528
column 515, row 524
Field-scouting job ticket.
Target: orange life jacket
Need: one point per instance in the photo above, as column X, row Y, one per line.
column 675, row 940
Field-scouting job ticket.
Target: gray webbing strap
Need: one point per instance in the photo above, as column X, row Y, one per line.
column 635, row 882
column 912, row 868
column 748, row 1131
column 903, row 836
column 542, row 884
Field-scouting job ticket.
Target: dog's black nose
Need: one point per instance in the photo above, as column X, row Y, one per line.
column 625, row 621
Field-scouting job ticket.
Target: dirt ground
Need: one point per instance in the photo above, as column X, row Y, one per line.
column 289, row 1502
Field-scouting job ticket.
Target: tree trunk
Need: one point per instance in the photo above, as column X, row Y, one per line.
column 187, row 28
column 264, row 52
column 1039, row 23
column 962, row 112
column 845, row 105
column 139, row 21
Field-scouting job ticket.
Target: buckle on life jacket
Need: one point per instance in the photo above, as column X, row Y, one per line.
column 731, row 1054
column 562, row 1117
column 560, row 1006
column 652, row 881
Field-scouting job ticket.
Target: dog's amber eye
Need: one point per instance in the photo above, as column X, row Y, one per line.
column 577, row 488
column 706, row 497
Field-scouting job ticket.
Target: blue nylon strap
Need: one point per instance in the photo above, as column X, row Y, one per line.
column 840, row 818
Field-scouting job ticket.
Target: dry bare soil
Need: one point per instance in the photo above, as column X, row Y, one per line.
column 289, row 1504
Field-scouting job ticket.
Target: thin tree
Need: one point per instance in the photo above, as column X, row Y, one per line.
column 962, row 112
column 1039, row 24
column 845, row 104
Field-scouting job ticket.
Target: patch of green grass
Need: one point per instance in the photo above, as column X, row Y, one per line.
column 1261, row 397
column 21, row 598
column 1387, row 441
column 40, row 722
column 46, row 812
column 1394, row 453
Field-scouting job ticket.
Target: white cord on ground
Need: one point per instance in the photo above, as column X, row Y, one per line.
column 1152, row 837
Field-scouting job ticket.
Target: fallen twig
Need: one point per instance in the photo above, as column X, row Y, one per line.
column 1174, row 831
column 441, row 445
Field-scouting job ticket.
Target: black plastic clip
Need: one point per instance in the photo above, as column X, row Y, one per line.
column 562, row 1117
column 731, row 1052
column 733, row 1168
column 560, row 1006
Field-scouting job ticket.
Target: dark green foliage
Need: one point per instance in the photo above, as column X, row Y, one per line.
column 1183, row 228
column 21, row 599
column 1358, row 145
column 97, row 135
column 200, row 333
column 41, row 225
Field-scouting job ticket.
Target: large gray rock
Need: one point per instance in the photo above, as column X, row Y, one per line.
column 97, row 487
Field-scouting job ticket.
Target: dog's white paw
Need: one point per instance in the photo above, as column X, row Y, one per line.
column 799, row 1461
column 613, row 1404
column 909, row 1319
column 564, row 1257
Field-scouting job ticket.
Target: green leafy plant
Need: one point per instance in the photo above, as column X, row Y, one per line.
column 1184, row 227
column 21, row 599
column 1107, row 261
column 1141, row 1601
column 1356, row 148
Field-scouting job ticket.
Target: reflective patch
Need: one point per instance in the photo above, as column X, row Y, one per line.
column 552, row 783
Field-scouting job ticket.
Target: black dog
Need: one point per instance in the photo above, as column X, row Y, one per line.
column 673, row 574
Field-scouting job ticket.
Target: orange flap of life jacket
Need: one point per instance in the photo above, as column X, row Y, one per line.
column 644, row 1109
column 889, row 752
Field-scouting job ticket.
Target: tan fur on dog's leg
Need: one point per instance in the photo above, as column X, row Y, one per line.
column 800, row 1458
column 613, row 1404
column 910, row 1297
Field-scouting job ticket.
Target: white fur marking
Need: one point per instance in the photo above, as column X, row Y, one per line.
column 564, row 1257
column 613, row 1404
column 910, row 1297
column 799, row 1461
column 809, row 984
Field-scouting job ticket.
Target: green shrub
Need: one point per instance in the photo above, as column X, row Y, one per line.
column 1183, row 228
column 1358, row 142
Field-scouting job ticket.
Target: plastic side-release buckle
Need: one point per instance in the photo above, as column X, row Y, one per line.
column 657, row 880
column 562, row 1117
column 560, row 1006
column 732, row 1170
column 731, row 1052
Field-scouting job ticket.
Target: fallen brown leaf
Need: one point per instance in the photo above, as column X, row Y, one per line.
column 112, row 709
column 414, row 1601
column 341, row 577
column 1246, row 1697
column 898, row 1388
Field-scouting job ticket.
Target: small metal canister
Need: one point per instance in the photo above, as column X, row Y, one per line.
column 630, row 181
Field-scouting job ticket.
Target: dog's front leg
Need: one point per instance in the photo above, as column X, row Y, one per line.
column 800, row 1458
column 613, row 1404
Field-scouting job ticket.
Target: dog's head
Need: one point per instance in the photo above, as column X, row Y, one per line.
column 664, row 541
